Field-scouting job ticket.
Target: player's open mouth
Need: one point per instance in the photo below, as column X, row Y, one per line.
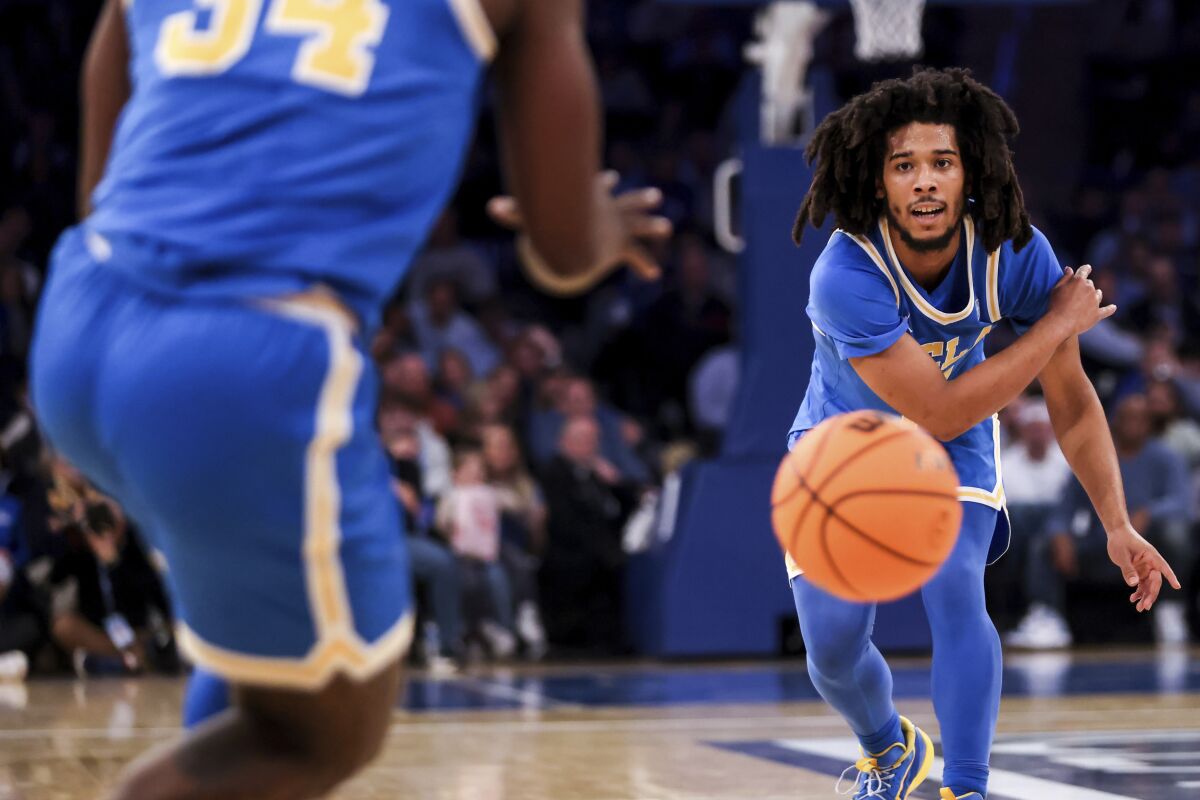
column 927, row 213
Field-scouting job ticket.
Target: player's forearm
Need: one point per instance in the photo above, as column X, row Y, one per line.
column 984, row 390
column 105, row 88
column 550, row 125
column 1083, row 436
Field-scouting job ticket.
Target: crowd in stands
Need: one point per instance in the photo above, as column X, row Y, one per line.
column 528, row 436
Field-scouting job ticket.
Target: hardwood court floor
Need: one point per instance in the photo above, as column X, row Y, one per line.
column 1101, row 726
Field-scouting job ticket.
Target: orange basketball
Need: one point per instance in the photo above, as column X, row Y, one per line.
column 867, row 506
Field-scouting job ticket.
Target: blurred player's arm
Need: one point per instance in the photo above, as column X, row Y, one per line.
column 550, row 129
column 104, row 90
column 908, row 380
column 1086, row 441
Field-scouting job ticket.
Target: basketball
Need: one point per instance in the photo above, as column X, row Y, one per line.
column 867, row 506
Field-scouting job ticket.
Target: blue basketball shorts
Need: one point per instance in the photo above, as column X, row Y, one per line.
column 239, row 435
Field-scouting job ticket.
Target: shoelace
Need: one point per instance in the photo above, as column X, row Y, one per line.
column 876, row 781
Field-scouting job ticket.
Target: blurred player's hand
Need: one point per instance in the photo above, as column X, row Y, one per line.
column 1141, row 564
column 1076, row 301
column 639, row 225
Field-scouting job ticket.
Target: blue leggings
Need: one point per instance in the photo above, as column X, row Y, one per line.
column 207, row 695
column 850, row 673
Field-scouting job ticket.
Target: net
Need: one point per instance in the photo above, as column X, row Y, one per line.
column 888, row 30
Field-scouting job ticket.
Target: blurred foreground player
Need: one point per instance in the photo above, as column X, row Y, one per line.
column 199, row 351
column 933, row 249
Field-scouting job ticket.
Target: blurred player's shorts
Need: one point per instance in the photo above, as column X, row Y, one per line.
column 240, row 435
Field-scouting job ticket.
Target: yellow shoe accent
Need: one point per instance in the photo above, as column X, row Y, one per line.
column 946, row 794
column 911, row 732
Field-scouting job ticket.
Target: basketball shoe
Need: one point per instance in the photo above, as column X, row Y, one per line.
column 897, row 771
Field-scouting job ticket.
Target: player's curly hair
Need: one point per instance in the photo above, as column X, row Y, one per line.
column 847, row 150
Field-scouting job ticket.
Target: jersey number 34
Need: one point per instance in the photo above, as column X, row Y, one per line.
column 337, row 54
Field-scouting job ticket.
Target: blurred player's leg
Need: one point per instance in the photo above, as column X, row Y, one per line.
column 966, row 655
column 275, row 744
column 242, row 435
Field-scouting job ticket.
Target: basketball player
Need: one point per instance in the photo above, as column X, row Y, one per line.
column 200, row 346
column 933, row 249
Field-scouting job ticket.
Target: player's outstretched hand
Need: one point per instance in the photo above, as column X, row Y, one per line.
column 1077, row 302
column 635, row 214
column 1142, row 566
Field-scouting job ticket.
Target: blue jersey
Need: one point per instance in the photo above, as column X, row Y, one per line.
column 273, row 145
column 862, row 301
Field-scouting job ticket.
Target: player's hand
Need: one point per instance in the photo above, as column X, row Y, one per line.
column 1076, row 301
column 1142, row 566
column 634, row 212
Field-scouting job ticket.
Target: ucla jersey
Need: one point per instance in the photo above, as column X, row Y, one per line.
column 271, row 145
column 862, row 301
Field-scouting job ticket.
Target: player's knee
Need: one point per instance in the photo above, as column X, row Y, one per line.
column 956, row 591
column 333, row 734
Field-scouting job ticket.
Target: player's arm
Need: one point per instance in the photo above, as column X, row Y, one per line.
column 104, row 89
column 1084, row 437
column 550, row 130
column 908, row 380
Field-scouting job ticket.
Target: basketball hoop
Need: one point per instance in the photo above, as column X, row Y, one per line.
column 888, row 30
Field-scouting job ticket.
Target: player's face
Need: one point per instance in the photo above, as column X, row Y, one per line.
column 924, row 185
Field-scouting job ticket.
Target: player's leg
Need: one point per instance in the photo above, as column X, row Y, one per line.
column 244, row 440
column 845, row 666
column 272, row 744
column 966, row 655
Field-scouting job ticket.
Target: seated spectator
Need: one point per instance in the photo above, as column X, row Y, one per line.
column 712, row 390
column 454, row 378
column 523, row 528
column 468, row 515
column 434, row 568
column 396, row 417
column 406, row 379
column 447, row 257
column 441, row 323
column 1035, row 473
column 580, row 579
column 1170, row 425
column 619, row 436
column 1074, row 546
column 108, row 607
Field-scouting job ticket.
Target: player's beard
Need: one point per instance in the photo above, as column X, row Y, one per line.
column 924, row 245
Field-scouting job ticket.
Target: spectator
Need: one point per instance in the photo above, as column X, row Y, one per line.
column 441, row 323
column 712, row 389
column 1074, row 547
column 619, row 435
column 448, row 258
column 685, row 323
column 434, row 567
column 406, row 379
column 1035, row 473
column 454, row 377
column 1178, row 432
column 523, row 527
column 108, row 607
column 468, row 515
column 580, row 579
column 433, row 459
